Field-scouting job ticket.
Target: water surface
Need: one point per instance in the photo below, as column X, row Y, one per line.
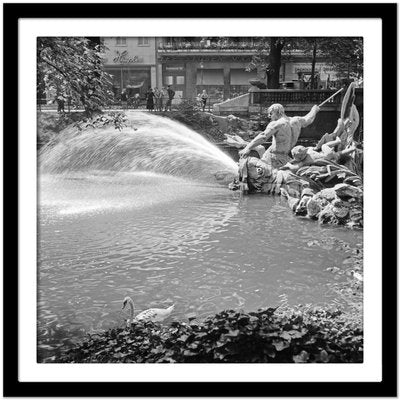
column 165, row 240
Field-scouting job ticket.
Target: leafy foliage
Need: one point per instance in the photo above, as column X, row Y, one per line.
column 344, row 53
column 118, row 119
column 189, row 113
column 73, row 69
column 51, row 124
column 347, row 56
column 309, row 336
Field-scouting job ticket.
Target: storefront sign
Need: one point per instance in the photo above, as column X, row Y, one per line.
column 124, row 58
column 329, row 69
column 319, row 67
column 174, row 68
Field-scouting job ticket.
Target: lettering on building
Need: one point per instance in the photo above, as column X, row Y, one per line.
column 124, row 58
column 328, row 69
column 174, row 68
column 306, row 68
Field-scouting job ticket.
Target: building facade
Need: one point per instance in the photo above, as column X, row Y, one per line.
column 132, row 63
column 195, row 64
column 192, row 64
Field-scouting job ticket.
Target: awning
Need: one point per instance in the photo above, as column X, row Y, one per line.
column 135, row 86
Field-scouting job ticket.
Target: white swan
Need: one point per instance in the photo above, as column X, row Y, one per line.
column 152, row 314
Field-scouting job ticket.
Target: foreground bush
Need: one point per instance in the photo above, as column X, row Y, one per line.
column 309, row 336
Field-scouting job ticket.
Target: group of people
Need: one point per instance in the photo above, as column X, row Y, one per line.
column 155, row 99
column 126, row 100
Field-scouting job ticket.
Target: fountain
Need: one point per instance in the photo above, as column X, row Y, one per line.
column 140, row 213
column 149, row 143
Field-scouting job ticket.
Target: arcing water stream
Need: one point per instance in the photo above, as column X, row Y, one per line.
column 149, row 144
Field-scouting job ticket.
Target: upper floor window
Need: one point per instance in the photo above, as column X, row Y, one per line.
column 143, row 41
column 121, row 41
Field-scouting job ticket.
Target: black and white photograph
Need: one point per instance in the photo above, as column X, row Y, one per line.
column 206, row 200
column 200, row 199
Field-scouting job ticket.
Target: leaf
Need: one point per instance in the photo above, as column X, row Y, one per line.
column 233, row 333
column 280, row 344
column 253, row 319
column 188, row 353
column 303, row 357
column 297, row 334
column 324, row 356
column 183, row 338
column 220, row 344
column 270, row 352
column 286, row 335
column 194, row 345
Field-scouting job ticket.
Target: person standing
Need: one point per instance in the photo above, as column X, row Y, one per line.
column 163, row 97
column 284, row 131
column 150, row 99
column 204, row 97
column 171, row 95
column 60, row 104
column 124, row 99
column 157, row 96
column 136, row 101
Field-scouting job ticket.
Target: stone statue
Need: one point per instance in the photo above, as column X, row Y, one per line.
column 284, row 131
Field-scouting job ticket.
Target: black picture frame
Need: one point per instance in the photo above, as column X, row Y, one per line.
column 12, row 12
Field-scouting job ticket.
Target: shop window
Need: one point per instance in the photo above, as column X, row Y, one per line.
column 180, row 80
column 143, row 41
column 121, row 41
column 241, row 76
column 210, row 77
column 169, row 80
column 134, row 80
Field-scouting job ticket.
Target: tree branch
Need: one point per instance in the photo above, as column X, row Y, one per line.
column 56, row 68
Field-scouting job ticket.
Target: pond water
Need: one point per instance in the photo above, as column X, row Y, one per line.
column 164, row 239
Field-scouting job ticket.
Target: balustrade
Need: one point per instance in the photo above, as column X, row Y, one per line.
column 187, row 46
column 266, row 97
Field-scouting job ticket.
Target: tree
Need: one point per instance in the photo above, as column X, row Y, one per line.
column 267, row 60
column 347, row 56
column 344, row 53
column 72, row 67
